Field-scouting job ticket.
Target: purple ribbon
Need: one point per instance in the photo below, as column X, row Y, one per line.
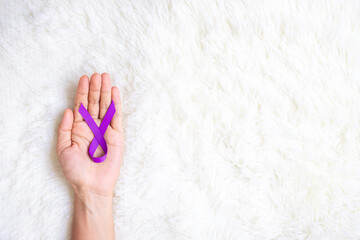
column 98, row 131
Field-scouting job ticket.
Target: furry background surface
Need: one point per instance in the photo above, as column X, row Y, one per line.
column 242, row 118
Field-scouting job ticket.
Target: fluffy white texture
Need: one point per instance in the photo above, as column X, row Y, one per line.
column 241, row 118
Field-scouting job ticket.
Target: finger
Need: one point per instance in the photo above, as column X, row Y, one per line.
column 94, row 95
column 116, row 122
column 105, row 98
column 81, row 97
column 64, row 132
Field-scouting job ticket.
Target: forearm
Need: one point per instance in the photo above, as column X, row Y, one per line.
column 92, row 217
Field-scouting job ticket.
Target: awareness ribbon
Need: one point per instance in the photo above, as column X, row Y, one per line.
column 98, row 131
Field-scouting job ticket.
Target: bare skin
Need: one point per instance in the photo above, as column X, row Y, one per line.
column 93, row 183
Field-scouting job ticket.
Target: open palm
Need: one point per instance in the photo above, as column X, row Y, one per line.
column 74, row 137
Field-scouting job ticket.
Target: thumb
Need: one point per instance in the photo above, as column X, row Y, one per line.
column 64, row 132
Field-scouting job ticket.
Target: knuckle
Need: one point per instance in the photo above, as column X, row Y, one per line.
column 78, row 104
column 93, row 100
column 104, row 106
column 94, row 116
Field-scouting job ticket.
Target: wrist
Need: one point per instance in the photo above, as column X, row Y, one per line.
column 92, row 217
column 92, row 201
column 86, row 191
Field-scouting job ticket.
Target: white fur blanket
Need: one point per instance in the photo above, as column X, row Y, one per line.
column 242, row 118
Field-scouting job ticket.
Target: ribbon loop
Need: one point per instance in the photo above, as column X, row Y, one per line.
column 98, row 131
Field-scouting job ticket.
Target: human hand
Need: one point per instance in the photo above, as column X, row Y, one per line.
column 75, row 136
